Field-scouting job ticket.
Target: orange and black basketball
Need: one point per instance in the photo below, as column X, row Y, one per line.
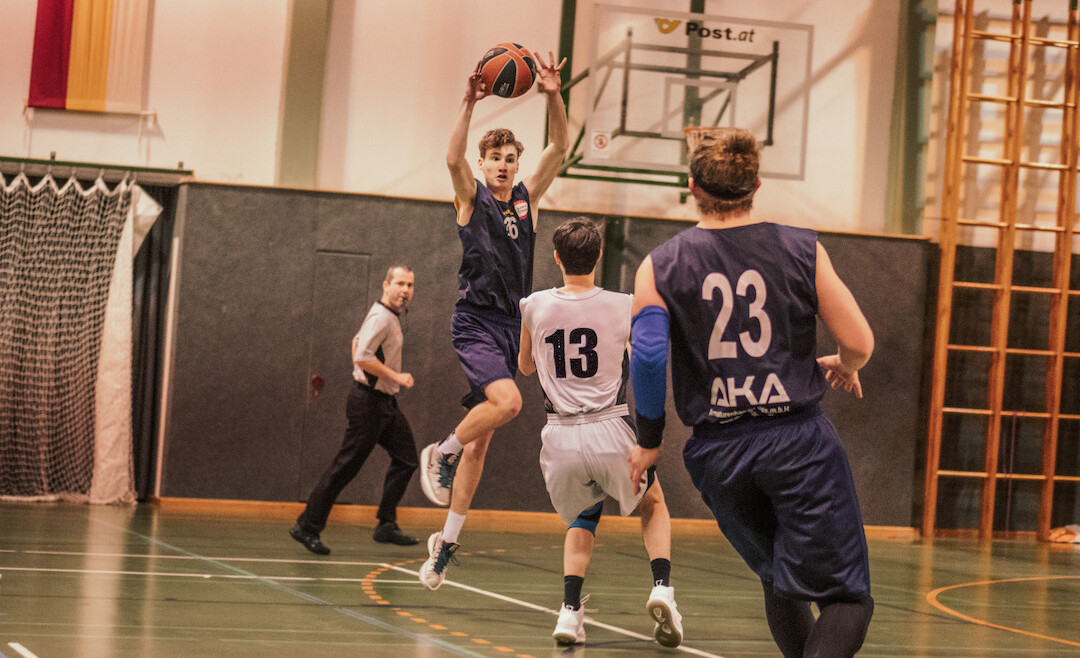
column 508, row 70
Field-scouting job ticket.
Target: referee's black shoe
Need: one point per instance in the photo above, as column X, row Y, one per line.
column 388, row 532
column 309, row 540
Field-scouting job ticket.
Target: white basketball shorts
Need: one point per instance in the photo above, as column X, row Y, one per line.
column 584, row 458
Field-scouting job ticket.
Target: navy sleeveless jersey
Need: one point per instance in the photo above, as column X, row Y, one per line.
column 497, row 252
column 743, row 307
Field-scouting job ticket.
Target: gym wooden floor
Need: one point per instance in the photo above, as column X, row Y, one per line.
column 182, row 580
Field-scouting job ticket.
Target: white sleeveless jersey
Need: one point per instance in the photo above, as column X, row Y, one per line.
column 579, row 346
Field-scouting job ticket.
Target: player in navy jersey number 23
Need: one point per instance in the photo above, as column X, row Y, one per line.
column 737, row 300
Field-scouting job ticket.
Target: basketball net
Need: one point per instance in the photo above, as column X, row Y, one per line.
column 65, row 427
column 697, row 135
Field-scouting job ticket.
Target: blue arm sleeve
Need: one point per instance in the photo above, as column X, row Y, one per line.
column 648, row 372
column 648, row 360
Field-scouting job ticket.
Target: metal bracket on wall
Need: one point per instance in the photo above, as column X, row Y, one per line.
column 91, row 170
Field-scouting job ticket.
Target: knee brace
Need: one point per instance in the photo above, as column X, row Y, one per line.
column 588, row 519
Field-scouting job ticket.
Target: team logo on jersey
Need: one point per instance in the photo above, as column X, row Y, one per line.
column 727, row 393
column 521, row 207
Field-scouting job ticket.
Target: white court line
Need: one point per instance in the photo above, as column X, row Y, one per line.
column 21, row 649
column 540, row 608
column 482, row 592
column 210, row 576
column 373, row 621
column 188, row 557
column 176, row 574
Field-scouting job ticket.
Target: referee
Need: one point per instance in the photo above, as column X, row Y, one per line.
column 374, row 419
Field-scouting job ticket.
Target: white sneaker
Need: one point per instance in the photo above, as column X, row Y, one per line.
column 661, row 607
column 437, row 474
column 440, row 554
column 570, row 628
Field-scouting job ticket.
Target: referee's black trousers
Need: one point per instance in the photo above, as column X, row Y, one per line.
column 374, row 419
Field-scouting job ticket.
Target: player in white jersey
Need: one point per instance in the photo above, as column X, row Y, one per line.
column 575, row 338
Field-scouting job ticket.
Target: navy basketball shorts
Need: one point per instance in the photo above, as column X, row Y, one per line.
column 782, row 493
column 486, row 343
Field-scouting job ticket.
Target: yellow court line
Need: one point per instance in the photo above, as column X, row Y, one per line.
column 368, row 587
column 931, row 598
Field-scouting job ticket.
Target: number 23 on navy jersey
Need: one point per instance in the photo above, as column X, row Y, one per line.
column 743, row 306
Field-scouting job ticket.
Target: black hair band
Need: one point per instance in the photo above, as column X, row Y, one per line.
column 721, row 192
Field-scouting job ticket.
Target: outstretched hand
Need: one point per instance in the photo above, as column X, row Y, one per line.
column 639, row 461
column 837, row 375
column 549, row 76
column 475, row 89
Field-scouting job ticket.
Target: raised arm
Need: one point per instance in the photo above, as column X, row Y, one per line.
column 841, row 314
column 549, row 82
column 460, row 172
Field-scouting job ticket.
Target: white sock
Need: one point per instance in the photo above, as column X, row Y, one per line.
column 452, row 528
column 450, row 445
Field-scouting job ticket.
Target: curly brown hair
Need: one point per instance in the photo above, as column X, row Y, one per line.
column 725, row 167
column 497, row 137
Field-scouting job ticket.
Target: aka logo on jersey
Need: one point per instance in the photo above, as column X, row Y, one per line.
column 727, row 393
column 521, row 207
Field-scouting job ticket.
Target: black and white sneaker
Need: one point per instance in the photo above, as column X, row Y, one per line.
column 440, row 555
column 437, row 474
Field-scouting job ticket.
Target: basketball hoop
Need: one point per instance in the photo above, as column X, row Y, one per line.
column 696, row 135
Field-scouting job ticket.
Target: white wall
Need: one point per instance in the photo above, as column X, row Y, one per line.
column 406, row 82
column 215, row 82
column 395, row 78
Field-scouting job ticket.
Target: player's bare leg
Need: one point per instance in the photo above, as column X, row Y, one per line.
column 469, row 470
column 656, row 534
column 439, row 462
column 577, row 551
column 502, row 405
column 577, row 554
column 443, row 545
column 655, row 523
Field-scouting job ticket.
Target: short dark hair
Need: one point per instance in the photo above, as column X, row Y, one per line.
column 390, row 271
column 725, row 168
column 578, row 243
column 497, row 137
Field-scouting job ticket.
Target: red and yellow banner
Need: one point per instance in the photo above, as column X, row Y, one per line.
column 89, row 55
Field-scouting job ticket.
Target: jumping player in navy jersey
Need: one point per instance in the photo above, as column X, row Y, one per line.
column 496, row 221
column 738, row 298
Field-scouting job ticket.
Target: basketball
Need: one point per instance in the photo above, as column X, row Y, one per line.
column 508, row 70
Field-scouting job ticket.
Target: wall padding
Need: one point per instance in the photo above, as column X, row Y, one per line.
column 243, row 422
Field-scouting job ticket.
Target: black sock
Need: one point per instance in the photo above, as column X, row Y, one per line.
column 572, row 591
column 661, row 571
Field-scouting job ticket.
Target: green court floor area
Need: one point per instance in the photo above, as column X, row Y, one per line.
column 91, row 581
